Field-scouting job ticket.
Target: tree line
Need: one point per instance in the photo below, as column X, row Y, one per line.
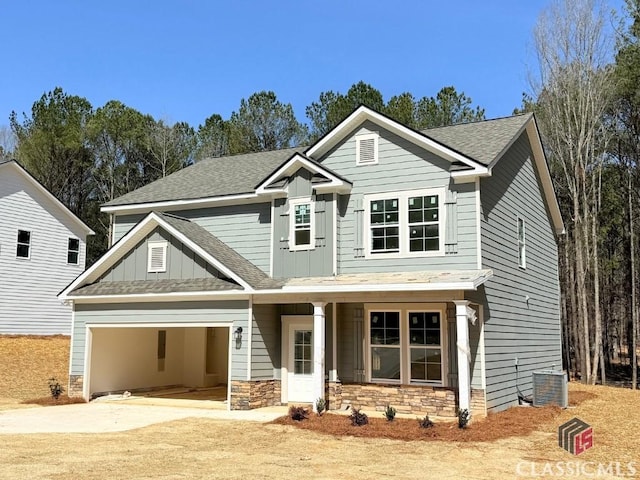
column 585, row 94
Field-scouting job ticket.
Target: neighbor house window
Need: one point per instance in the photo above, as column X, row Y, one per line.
column 73, row 251
column 302, row 224
column 162, row 349
column 522, row 246
column 157, row 257
column 406, row 223
column 24, row 244
column 405, row 346
column 367, row 149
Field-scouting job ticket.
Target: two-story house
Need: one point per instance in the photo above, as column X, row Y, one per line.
column 42, row 249
column 381, row 265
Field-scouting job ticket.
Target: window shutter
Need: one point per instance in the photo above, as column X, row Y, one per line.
column 320, row 213
column 358, row 218
column 451, row 225
column 283, row 206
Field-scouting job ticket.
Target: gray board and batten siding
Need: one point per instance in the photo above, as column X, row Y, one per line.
column 401, row 166
column 244, row 228
column 235, row 312
column 521, row 305
column 314, row 262
column 181, row 262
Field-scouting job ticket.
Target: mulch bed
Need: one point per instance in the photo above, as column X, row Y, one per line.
column 50, row 401
column 513, row 422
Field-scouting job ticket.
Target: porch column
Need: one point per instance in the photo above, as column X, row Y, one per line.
column 464, row 355
column 318, row 351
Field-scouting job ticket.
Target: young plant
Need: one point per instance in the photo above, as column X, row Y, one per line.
column 55, row 388
column 321, row 406
column 463, row 417
column 425, row 422
column 358, row 418
column 389, row 413
column 298, row 413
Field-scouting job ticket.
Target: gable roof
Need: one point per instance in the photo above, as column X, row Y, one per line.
column 484, row 141
column 211, row 177
column 215, row 252
column 13, row 164
column 334, row 182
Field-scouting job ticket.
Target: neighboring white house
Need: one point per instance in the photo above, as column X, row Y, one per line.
column 42, row 249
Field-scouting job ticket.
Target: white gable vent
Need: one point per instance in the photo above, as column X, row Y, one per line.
column 550, row 388
column 157, row 257
column 367, row 149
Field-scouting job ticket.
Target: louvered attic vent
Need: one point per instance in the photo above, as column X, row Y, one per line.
column 367, row 149
column 157, row 259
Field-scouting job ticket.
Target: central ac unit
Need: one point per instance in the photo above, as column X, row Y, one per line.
column 550, row 388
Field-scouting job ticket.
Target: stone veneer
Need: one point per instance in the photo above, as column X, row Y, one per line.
column 412, row 399
column 75, row 385
column 247, row 395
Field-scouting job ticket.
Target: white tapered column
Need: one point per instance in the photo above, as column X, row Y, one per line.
column 464, row 355
column 319, row 334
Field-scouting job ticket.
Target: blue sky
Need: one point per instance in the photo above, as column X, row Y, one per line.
column 185, row 60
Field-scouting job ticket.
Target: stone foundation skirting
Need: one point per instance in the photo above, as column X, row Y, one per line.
column 75, row 385
column 412, row 399
column 247, row 395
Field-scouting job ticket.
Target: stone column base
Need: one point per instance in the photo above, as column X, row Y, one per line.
column 76, row 383
column 333, row 395
column 247, row 395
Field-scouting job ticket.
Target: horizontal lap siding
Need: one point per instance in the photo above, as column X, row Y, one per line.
column 265, row 338
column 401, row 166
column 514, row 327
column 123, row 223
column 29, row 287
column 245, row 228
column 211, row 313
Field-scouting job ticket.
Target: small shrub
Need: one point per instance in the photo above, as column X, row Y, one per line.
column 358, row 418
column 389, row 413
column 298, row 413
column 321, row 406
column 55, row 388
column 463, row 418
column 425, row 422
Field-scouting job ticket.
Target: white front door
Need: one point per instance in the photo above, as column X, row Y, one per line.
column 300, row 360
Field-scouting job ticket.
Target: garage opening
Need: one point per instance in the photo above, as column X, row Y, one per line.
column 190, row 363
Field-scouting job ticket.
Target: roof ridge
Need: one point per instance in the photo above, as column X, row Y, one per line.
column 475, row 122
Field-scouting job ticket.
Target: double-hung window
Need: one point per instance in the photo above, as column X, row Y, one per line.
column 302, row 224
column 406, row 345
column 23, row 249
column 405, row 223
column 73, row 251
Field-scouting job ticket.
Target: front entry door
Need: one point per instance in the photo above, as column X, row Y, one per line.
column 300, row 361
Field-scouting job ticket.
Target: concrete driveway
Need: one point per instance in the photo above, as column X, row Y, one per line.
column 98, row 417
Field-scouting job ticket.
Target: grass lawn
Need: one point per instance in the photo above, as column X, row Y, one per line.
column 204, row 449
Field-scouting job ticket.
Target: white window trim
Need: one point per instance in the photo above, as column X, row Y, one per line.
column 76, row 251
column 522, row 261
column 30, row 244
column 403, row 223
column 405, row 357
column 292, row 223
column 150, row 247
column 367, row 136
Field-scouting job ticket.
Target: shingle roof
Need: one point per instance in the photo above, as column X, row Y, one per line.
column 482, row 141
column 156, row 286
column 214, row 177
column 211, row 177
column 221, row 252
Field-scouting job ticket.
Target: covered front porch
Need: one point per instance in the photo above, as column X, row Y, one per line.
column 421, row 352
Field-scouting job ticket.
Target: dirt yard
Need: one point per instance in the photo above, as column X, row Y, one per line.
column 205, row 449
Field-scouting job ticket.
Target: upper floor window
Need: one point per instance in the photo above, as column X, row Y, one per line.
column 23, row 249
column 405, row 223
column 157, row 257
column 367, row 149
column 302, row 224
column 73, row 251
column 522, row 245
